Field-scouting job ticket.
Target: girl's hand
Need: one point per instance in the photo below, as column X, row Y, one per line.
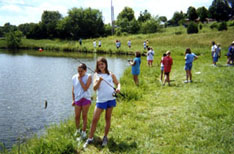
column 73, row 103
column 117, row 90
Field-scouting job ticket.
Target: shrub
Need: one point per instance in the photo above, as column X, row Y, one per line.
column 222, row 26
column 214, row 25
column 200, row 27
column 192, row 28
column 13, row 39
column 231, row 23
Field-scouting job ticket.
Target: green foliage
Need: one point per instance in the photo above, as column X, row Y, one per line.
column 192, row 28
column 176, row 19
column 150, row 26
column 192, row 13
column 222, row 26
column 220, row 10
column 231, row 23
column 127, row 22
column 202, row 13
column 144, row 16
column 214, row 25
column 13, row 39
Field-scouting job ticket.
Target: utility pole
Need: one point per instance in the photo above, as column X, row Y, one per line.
column 112, row 19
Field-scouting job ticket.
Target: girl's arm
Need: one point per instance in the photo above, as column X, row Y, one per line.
column 116, row 82
column 96, row 83
column 85, row 86
column 132, row 63
column 73, row 96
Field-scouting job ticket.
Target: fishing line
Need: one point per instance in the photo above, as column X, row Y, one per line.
column 108, row 83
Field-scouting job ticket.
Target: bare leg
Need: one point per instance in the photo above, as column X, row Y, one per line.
column 190, row 75
column 77, row 116
column 85, row 110
column 135, row 77
column 161, row 75
column 96, row 117
column 108, row 120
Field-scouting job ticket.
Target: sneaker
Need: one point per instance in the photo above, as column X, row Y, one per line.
column 104, row 141
column 186, row 81
column 191, row 81
column 77, row 132
column 83, row 135
column 88, row 141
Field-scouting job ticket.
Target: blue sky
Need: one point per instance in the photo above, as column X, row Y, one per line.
column 25, row 11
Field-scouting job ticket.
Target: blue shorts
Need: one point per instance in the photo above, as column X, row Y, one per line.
column 188, row 66
column 215, row 59
column 162, row 68
column 106, row 105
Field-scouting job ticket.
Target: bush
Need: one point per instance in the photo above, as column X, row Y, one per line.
column 231, row 23
column 222, row 26
column 200, row 27
column 192, row 28
column 13, row 39
column 214, row 25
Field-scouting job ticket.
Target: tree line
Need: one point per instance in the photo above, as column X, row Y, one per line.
column 88, row 23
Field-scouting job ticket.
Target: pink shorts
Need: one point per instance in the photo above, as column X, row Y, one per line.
column 150, row 61
column 82, row 102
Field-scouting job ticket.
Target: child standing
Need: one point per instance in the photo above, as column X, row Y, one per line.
column 213, row 53
column 94, row 44
column 162, row 67
column 129, row 43
column 150, row 56
column 189, row 58
column 105, row 99
column 81, row 96
column 167, row 63
column 136, row 67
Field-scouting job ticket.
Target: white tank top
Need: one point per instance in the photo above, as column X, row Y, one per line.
column 105, row 91
column 78, row 90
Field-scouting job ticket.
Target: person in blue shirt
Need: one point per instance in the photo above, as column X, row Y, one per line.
column 189, row 58
column 230, row 54
column 136, row 67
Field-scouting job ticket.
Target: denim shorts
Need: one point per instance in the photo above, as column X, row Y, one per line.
column 188, row 66
column 106, row 105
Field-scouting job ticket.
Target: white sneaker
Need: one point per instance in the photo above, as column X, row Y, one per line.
column 88, row 141
column 77, row 132
column 186, row 81
column 83, row 135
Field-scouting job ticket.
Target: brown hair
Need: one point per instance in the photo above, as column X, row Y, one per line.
column 138, row 54
column 102, row 59
column 83, row 66
column 188, row 50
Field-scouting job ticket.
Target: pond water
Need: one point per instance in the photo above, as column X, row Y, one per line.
column 27, row 81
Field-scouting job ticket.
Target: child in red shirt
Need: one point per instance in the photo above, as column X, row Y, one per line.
column 167, row 62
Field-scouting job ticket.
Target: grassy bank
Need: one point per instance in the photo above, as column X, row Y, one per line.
column 189, row 118
column 172, row 38
column 196, row 117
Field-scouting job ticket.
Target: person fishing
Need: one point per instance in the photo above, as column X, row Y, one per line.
column 105, row 99
column 81, row 96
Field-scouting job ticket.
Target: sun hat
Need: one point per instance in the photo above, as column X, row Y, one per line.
column 168, row 52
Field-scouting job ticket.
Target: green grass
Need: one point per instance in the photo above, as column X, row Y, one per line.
column 189, row 118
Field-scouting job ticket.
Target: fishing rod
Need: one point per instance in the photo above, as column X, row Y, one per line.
column 108, row 83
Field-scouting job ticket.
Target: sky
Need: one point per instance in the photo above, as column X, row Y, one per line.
column 26, row 11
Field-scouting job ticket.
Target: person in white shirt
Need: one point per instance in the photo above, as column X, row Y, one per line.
column 81, row 96
column 104, row 82
column 150, row 56
column 129, row 43
column 99, row 43
column 94, row 43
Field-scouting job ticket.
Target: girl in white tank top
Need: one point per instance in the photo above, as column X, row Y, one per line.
column 104, row 82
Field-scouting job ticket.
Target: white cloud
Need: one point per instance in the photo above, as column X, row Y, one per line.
column 24, row 11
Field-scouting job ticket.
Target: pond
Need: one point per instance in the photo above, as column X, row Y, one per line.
column 27, row 81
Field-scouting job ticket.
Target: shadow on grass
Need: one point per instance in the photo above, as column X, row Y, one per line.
column 121, row 146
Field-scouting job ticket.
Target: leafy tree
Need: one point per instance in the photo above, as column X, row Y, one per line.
column 84, row 23
column 192, row 13
column 144, row 16
column 49, row 20
column 150, row 26
column 177, row 18
column 163, row 19
column 108, row 29
column 220, row 10
column 13, row 39
column 202, row 13
column 127, row 22
column 8, row 28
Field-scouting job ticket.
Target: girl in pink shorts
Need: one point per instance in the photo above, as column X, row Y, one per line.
column 81, row 96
